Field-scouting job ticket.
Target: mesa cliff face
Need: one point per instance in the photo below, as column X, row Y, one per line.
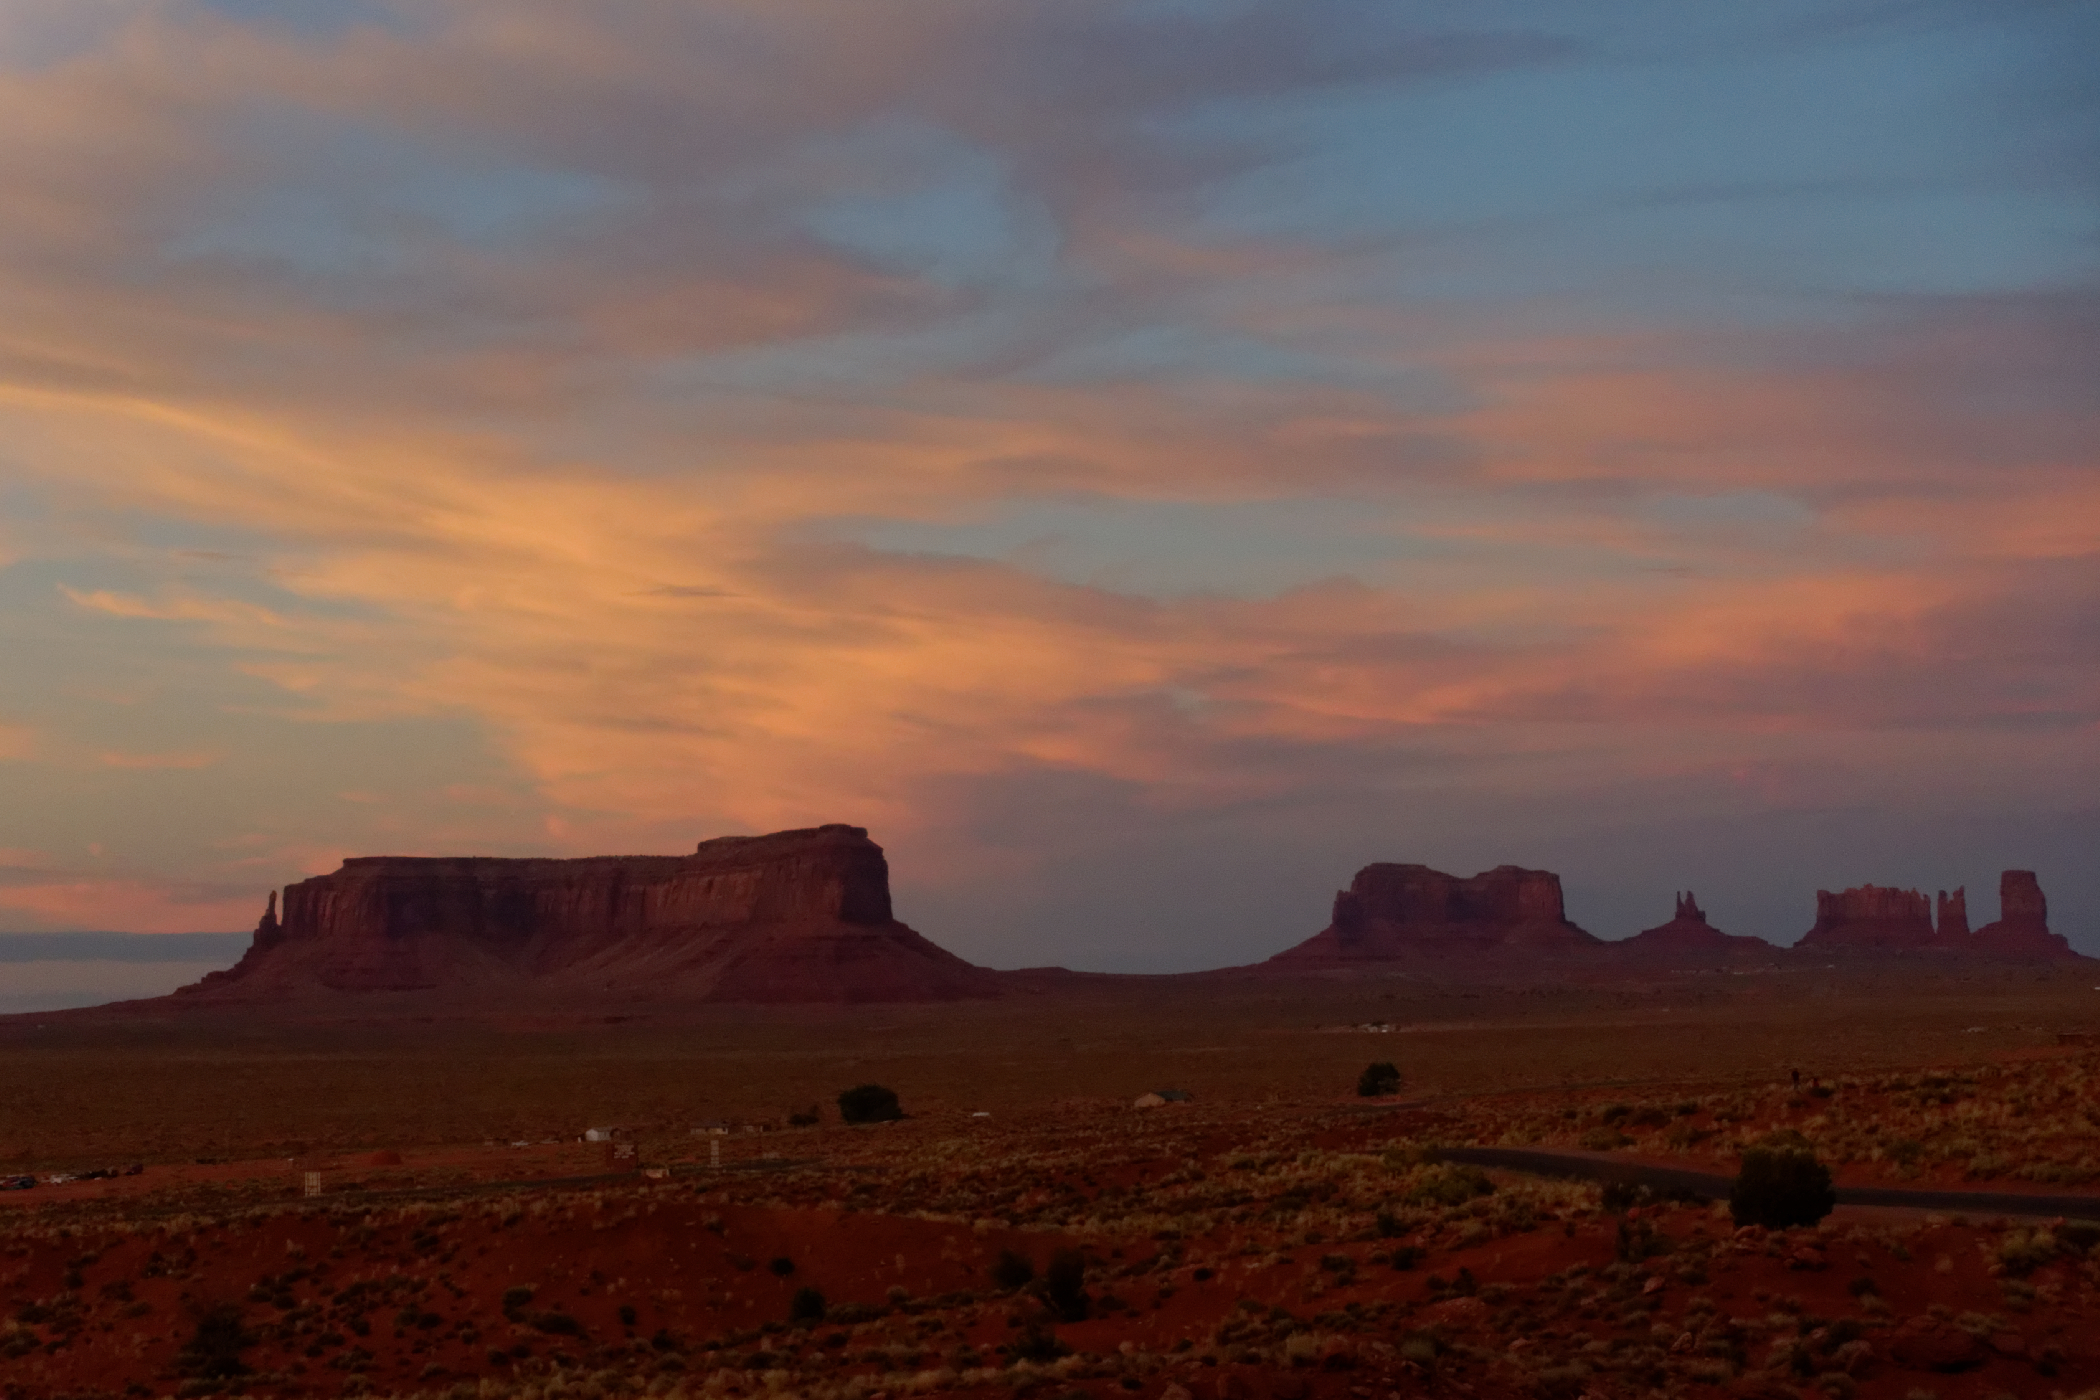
column 797, row 916
column 1399, row 912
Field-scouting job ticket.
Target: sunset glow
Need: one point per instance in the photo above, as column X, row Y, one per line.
column 1142, row 460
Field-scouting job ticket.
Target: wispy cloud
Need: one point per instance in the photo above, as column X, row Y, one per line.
column 735, row 416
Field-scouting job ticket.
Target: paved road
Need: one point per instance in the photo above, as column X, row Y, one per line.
column 1707, row 1186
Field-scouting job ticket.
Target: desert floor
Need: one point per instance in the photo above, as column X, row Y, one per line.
column 1274, row 1237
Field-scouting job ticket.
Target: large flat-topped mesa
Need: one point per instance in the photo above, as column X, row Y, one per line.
column 1871, row 916
column 796, row 916
column 1398, row 912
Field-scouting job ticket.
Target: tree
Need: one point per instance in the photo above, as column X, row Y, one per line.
column 807, row 1306
column 1781, row 1185
column 1379, row 1080
column 869, row 1103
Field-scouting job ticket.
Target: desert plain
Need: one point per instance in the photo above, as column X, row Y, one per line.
column 1024, row 1229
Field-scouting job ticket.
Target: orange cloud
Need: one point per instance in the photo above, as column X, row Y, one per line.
column 130, row 904
column 584, row 491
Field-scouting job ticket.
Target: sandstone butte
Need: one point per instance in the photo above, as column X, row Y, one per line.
column 1405, row 912
column 1689, row 937
column 796, row 916
column 1874, row 919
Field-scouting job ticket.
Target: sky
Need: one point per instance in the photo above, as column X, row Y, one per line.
column 1143, row 460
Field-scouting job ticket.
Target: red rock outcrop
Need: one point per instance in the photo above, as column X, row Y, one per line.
column 1952, row 916
column 797, row 916
column 1401, row 912
column 1688, row 937
column 1870, row 917
column 2021, row 929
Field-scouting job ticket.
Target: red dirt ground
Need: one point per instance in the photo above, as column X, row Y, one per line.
column 1233, row 1255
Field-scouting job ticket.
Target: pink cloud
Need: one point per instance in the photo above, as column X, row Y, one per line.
column 580, row 491
column 133, row 905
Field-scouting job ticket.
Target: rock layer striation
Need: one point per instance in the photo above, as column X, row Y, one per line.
column 797, row 916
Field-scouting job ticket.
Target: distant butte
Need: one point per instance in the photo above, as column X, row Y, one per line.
column 1874, row 919
column 797, row 916
column 1870, row 917
column 1404, row 912
column 2021, row 929
column 1688, row 937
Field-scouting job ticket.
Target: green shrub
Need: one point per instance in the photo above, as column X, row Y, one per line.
column 1013, row 1270
column 782, row 1267
column 1449, row 1184
column 869, row 1103
column 806, row 1306
column 1379, row 1080
column 2024, row 1251
column 1781, row 1185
